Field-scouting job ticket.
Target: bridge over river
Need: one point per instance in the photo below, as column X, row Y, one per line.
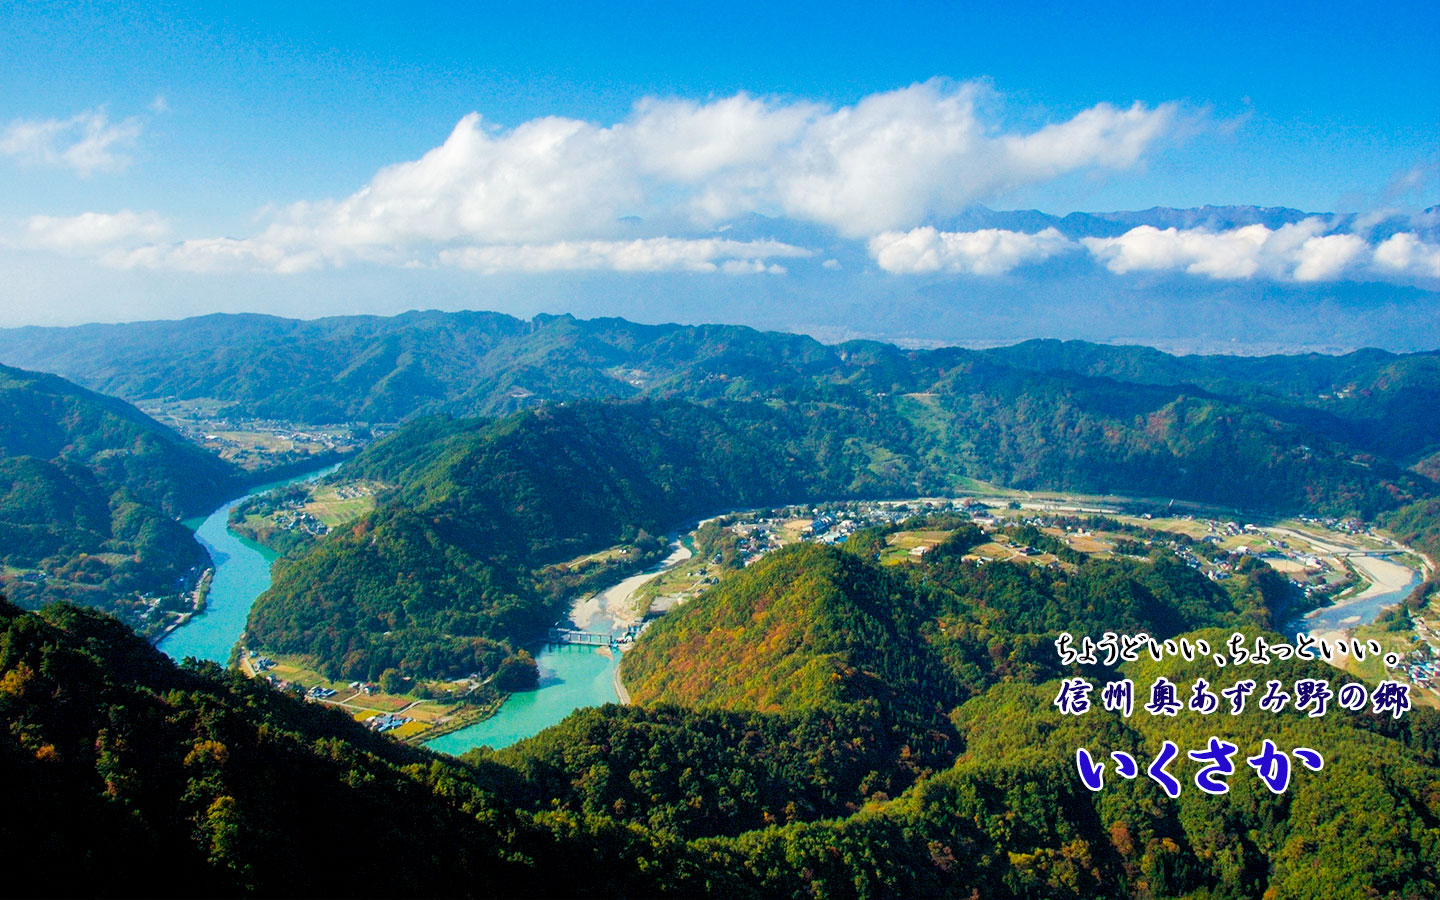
column 586, row 638
column 559, row 635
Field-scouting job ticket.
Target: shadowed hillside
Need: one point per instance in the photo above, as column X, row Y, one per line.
column 90, row 491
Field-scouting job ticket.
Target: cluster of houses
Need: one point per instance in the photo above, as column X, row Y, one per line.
column 260, row 665
column 336, row 438
column 386, row 722
column 1422, row 665
column 293, row 519
column 835, row 523
column 1347, row 525
column 1423, row 670
column 1304, row 568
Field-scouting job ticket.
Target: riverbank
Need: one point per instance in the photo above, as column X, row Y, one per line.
column 622, row 695
column 1387, row 583
column 1387, row 580
column 617, row 602
column 241, row 573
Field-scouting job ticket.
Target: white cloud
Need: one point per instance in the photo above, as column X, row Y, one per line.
column 558, row 186
column 1300, row 251
column 1100, row 136
column 643, row 255
column 989, row 251
column 556, row 192
column 1325, row 258
column 1406, row 254
column 684, row 141
column 215, row 255
column 90, row 231
column 87, row 142
column 894, row 159
column 1229, row 254
column 548, row 179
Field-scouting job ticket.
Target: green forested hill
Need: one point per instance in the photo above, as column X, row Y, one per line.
column 806, row 627
column 45, row 417
column 90, row 490
column 370, row 368
column 812, row 626
column 1095, row 435
column 1379, row 401
column 127, row 776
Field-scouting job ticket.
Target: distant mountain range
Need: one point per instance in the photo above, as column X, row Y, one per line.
column 1198, row 289
column 1425, row 224
column 841, row 293
column 384, row 369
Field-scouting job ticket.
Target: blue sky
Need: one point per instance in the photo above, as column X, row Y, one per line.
column 135, row 136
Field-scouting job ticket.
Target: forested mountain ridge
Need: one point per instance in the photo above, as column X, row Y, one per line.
column 46, row 417
column 811, row 626
column 367, row 368
column 127, row 776
column 443, row 577
column 1379, row 401
column 90, row 490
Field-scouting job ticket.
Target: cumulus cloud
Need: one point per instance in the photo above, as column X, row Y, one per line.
column 1325, row 258
column 989, row 251
column 216, row 255
column 92, row 230
column 549, row 178
column 642, row 255
column 1100, row 136
column 1300, row 251
column 896, row 158
column 86, row 143
column 685, row 141
column 886, row 162
column 1407, row 254
column 555, row 190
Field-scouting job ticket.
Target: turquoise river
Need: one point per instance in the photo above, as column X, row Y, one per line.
column 242, row 573
column 571, row 677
